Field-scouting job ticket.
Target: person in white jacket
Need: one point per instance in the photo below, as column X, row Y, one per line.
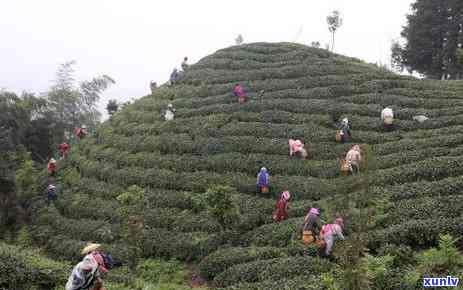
column 387, row 116
column 86, row 275
column 169, row 114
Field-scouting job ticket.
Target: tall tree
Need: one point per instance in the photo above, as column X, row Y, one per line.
column 239, row 40
column 75, row 105
column 433, row 36
column 112, row 107
column 334, row 23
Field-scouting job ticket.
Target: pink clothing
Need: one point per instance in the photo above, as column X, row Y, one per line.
column 314, row 211
column 286, row 195
column 99, row 259
column 353, row 157
column 295, row 146
column 238, row 91
column 332, row 230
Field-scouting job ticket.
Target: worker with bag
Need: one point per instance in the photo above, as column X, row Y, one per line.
column 296, row 148
column 263, row 181
column 353, row 159
column 238, row 91
column 87, row 275
column 330, row 233
column 387, row 116
column 282, row 207
column 311, row 226
column 344, row 132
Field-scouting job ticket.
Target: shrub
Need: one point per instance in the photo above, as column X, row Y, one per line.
column 23, row 268
column 273, row 269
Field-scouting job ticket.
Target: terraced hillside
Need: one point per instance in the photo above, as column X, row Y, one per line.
column 214, row 140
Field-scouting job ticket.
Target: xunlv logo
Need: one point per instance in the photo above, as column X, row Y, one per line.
column 440, row 282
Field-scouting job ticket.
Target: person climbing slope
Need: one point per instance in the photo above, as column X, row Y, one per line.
column 174, row 77
column 238, row 91
column 330, row 233
column 311, row 226
column 169, row 114
column 88, row 273
column 81, row 132
column 296, row 148
column 153, row 86
column 51, row 167
column 344, row 133
column 51, row 194
column 282, row 207
column 387, row 116
column 63, row 149
column 353, row 159
column 185, row 63
column 263, row 181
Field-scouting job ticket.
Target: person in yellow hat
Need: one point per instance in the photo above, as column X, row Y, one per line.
column 86, row 275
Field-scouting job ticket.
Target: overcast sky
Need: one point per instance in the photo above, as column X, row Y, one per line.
column 141, row 40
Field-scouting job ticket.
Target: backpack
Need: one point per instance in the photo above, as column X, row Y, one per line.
column 108, row 261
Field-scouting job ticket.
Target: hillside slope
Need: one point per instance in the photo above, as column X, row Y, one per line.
column 215, row 140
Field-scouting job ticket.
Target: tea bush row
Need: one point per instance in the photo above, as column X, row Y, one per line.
column 273, row 269
column 22, row 268
column 223, row 259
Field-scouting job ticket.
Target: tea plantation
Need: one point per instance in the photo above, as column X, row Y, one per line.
column 214, row 140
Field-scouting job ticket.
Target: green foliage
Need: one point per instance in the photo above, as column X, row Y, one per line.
column 23, row 268
column 26, row 181
column 132, row 213
column 112, row 107
column 273, row 269
column 157, row 271
column 444, row 260
column 431, row 40
column 220, row 205
column 24, row 239
column 195, row 174
column 436, row 262
column 378, row 270
column 76, row 105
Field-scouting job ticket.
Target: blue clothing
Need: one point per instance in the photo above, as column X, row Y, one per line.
column 52, row 196
column 263, row 177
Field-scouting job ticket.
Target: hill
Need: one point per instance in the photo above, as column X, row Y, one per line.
column 214, row 140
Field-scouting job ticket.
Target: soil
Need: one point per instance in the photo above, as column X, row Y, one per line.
column 194, row 280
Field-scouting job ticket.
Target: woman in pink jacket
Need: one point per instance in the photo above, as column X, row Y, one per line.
column 353, row 158
column 332, row 232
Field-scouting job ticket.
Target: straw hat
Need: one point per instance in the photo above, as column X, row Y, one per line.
column 89, row 248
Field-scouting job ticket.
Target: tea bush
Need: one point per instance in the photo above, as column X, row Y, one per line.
column 214, row 140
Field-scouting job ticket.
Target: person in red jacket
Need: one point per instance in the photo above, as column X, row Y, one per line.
column 64, row 149
column 52, row 167
column 81, row 132
column 282, row 207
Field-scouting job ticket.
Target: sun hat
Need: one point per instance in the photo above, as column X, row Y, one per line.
column 314, row 211
column 90, row 248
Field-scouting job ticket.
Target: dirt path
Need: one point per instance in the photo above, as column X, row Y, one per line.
column 194, row 280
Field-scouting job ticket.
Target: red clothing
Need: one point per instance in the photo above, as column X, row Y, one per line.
column 282, row 210
column 80, row 133
column 51, row 167
column 64, row 148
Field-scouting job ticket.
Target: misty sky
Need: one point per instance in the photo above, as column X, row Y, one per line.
column 141, row 40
